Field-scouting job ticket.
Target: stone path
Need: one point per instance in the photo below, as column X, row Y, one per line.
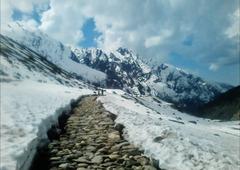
column 91, row 142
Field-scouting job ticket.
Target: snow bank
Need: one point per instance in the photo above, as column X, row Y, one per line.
column 27, row 111
column 179, row 141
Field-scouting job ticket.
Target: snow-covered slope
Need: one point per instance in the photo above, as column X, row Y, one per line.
column 126, row 71
column 53, row 50
column 28, row 109
column 33, row 94
column 20, row 63
column 179, row 141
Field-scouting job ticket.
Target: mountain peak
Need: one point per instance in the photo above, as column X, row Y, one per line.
column 124, row 50
column 124, row 70
column 172, row 68
column 126, row 53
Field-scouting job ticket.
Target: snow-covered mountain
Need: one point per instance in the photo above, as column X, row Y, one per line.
column 122, row 69
column 53, row 50
column 39, row 77
column 185, row 89
column 126, row 71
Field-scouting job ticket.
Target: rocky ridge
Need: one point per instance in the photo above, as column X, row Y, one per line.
column 92, row 141
column 122, row 69
column 125, row 70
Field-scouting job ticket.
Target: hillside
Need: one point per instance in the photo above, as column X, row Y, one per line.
column 224, row 107
column 53, row 51
column 19, row 63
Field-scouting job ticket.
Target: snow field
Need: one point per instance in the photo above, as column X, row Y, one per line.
column 177, row 143
column 28, row 109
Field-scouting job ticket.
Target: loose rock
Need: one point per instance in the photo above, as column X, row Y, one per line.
column 97, row 159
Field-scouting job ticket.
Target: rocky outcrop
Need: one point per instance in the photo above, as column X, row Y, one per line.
column 92, row 141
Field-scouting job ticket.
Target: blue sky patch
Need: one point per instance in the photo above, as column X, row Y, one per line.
column 17, row 15
column 90, row 34
column 35, row 14
column 188, row 41
column 186, row 63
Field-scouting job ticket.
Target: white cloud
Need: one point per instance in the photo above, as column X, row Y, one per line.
column 63, row 21
column 152, row 41
column 25, row 6
column 158, row 28
column 213, row 67
column 110, row 42
column 233, row 30
column 30, row 24
column 157, row 40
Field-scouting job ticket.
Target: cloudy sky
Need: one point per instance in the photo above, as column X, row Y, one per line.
column 201, row 36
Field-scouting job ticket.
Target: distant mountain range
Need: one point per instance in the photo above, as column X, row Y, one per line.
column 122, row 69
column 125, row 70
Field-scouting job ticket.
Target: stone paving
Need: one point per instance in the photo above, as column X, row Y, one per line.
column 92, row 141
